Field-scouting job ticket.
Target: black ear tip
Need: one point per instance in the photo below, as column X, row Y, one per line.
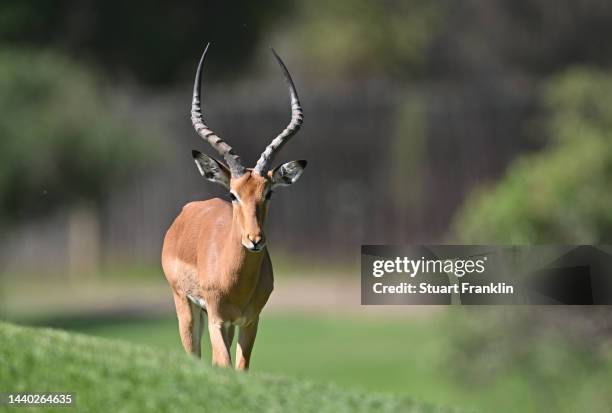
column 302, row 163
column 195, row 154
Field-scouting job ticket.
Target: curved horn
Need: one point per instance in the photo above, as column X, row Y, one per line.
column 297, row 116
column 232, row 160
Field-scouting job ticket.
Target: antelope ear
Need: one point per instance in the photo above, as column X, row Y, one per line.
column 212, row 169
column 287, row 173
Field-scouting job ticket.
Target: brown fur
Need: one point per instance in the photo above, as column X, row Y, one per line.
column 204, row 256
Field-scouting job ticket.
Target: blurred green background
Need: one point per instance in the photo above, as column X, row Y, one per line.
column 473, row 121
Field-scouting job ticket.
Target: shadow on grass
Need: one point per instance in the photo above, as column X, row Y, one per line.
column 84, row 322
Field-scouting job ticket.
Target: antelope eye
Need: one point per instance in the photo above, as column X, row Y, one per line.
column 232, row 197
column 269, row 195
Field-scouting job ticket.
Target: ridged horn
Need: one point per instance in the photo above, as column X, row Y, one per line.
column 232, row 159
column 297, row 116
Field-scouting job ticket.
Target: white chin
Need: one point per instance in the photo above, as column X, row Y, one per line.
column 256, row 249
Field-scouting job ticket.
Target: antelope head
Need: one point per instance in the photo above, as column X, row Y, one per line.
column 250, row 189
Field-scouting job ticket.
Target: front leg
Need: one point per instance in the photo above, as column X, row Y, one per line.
column 190, row 319
column 246, row 339
column 220, row 350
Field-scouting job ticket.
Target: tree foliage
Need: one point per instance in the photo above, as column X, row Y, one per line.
column 154, row 42
column 361, row 37
column 561, row 194
column 61, row 139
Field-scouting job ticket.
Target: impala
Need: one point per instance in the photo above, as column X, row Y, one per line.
column 214, row 254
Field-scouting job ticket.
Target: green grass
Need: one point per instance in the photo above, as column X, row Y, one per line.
column 114, row 376
column 379, row 356
column 412, row 358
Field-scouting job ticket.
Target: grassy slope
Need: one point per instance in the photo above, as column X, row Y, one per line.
column 109, row 376
column 407, row 357
column 396, row 356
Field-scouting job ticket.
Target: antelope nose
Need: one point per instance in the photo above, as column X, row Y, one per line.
column 255, row 239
